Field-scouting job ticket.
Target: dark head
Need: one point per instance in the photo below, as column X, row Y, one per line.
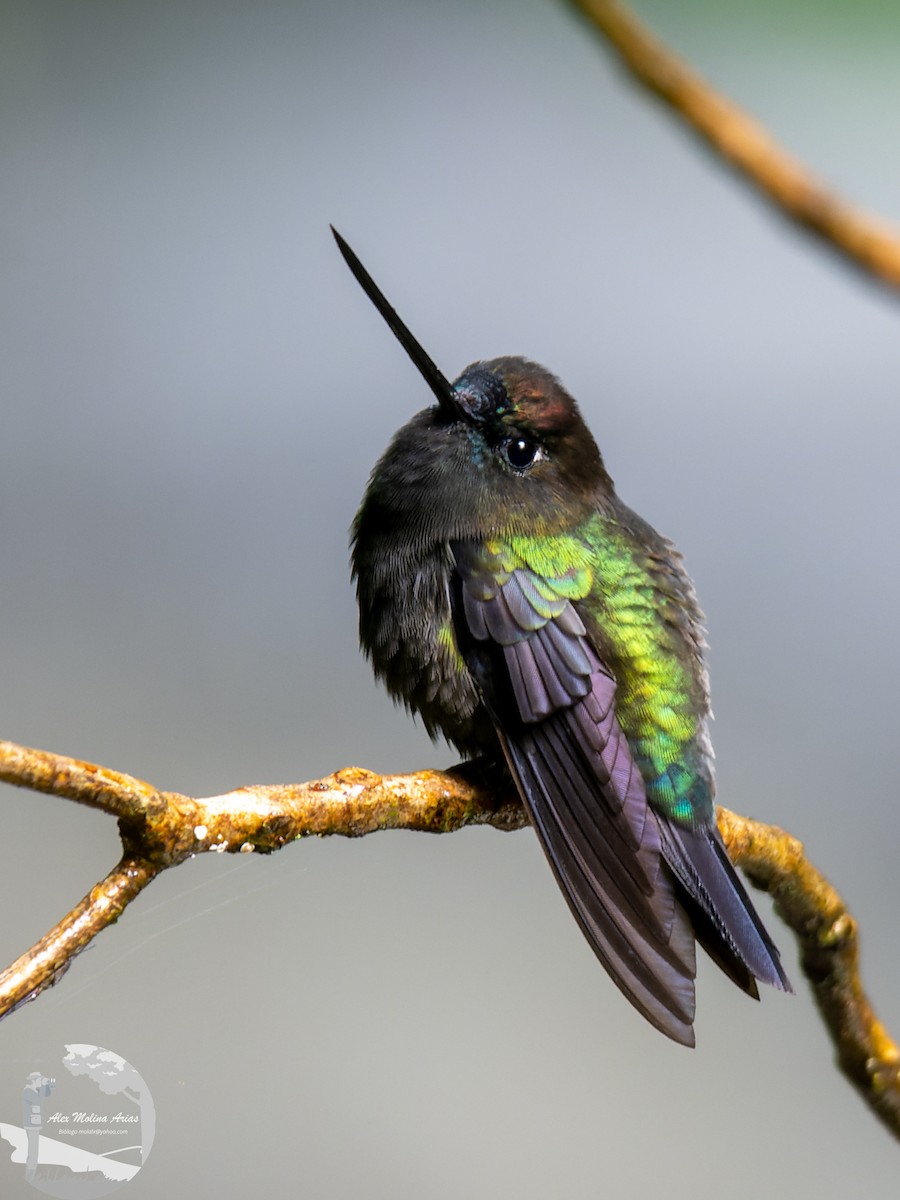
column 504, row 444
column 530, row 423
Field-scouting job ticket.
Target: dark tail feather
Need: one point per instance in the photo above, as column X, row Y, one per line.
column 725, row 921
column 708, row 935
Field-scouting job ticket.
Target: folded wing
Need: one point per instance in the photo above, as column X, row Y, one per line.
column 553, row 703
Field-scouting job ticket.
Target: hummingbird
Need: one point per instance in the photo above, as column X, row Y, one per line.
column 511, row 600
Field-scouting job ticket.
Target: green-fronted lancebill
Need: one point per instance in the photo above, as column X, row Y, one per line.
column 510, row 599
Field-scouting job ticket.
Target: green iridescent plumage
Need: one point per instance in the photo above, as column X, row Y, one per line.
column 662, row 700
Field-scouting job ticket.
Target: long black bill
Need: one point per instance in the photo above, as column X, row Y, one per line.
column 435, row 379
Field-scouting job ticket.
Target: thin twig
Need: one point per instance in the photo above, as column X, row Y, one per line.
column 744, row 144
column 48, row 960
column 161, row 829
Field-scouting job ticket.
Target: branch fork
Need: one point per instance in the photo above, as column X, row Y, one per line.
column 159, row 830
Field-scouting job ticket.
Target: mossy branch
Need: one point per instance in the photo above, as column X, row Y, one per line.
column 161, row 829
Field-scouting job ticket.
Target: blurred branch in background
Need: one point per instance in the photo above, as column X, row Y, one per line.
column 864, row 240
column 163, row 829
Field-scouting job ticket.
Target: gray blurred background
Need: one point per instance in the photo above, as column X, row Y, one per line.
column 192, row 392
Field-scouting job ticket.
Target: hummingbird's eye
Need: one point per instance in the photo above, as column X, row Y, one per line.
column 521, row 452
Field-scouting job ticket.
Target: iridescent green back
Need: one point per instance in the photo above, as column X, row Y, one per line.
column 641, row 612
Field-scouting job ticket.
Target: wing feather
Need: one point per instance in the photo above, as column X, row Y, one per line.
column 641, row 887
column 553, row 703
column 654, row 971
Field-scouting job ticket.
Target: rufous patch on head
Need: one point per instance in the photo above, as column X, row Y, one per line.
column 543, row 412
